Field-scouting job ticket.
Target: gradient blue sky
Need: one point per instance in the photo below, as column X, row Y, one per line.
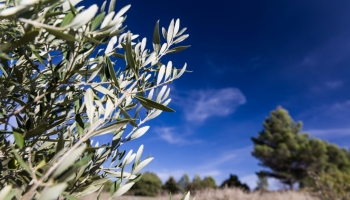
column 247, row 58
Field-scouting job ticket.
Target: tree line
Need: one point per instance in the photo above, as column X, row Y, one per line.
column 151, row 185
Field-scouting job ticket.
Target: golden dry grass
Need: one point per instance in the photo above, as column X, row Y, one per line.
column 224, row 194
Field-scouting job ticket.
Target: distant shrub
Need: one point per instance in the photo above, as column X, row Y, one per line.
column 209, row 182
column 171, row 186
column 148, row 185
column 233, row 181
column 198, row 184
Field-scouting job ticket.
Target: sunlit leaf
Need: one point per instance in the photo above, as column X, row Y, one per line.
column 122, row 11
column 89, row 103
column 53, row 192
column 168, row 70
column 122, row 190
column 83, row 17
column 160, row 74
column 139, row 132
column 69, row 160
column 170, row 32
column 142, row 165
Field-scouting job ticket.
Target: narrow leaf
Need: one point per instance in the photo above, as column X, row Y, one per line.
column 170, row 32
column 161, row 93
column 168, row 70
column 103, row 6
column 139, row 132
column 122, row 11
column 150, row 94
column 156, row 37
column 107, row 19
column 123, row 189
column 129, row 56
column 61, row 35
column 182, row 71
column 67, row 19
column 181, row 38
column 109, row 109
column 111, row 6
column 138, row 154
column 69, row 160
column 177, row 26
column 97, row 21
column 53, row 192
column 83, row 17
column 160, row 74
column 89, row 103
column 5, row 191
column 186, row 196
column 110, row 128
column 177, row 49
column 18, row 138
column 142, row 165
column 66, row 5
column 181, row 32
column 154, row 104
column 111, row 44
column 111, row 70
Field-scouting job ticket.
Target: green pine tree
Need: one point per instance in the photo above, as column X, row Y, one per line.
column 196, row 184
column 184, row 182
column 171, row 186
column 287, row 152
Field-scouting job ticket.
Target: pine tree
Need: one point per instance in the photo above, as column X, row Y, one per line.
column 171, row 186
column 184, row 182
column 196, row 183
column 287, row 152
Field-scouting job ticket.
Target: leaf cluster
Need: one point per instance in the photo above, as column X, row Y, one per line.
column 58, row 90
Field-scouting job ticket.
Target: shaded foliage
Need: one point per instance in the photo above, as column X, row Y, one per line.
column 232, row 182
column 148, row 185
column 330, row 185
column 209, row 182
column 171, row 186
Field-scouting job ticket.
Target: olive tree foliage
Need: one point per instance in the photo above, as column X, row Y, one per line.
column 59, row 89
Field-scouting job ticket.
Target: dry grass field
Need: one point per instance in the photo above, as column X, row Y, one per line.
column 224, row 194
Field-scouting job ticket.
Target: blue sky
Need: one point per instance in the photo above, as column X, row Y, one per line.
column 247, row 58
